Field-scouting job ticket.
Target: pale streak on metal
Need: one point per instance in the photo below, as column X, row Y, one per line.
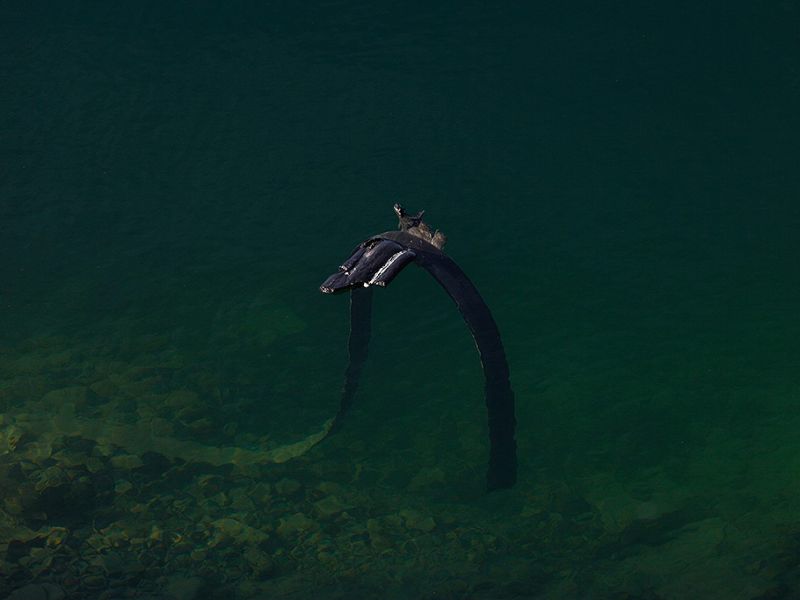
column 392, row 259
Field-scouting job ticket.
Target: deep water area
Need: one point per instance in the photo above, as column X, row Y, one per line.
column 621, row 183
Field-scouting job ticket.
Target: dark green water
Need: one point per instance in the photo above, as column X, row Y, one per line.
column 621, row 183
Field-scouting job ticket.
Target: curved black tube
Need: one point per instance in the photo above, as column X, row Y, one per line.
column 376, row 262
column 357, row 346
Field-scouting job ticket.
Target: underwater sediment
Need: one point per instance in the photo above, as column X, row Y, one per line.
column 115, row 485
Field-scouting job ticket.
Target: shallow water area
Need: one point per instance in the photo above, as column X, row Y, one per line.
column 618, row 182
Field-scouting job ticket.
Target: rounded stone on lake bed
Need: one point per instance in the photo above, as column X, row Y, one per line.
column 126, row 462
column 38, row 452
column 37, row 591
column 105, row 388
column 122, row 487
column 287, row 487
column 11, row 437
column 261, row 562
column 51, row 477
column 418, row 521
column 77, row 395
column 198, row 554
column 161, row 427
column 231, row 529
column 329, row 506
column 294, row 524
column 202, row 425
column 94, row 464
column 103, row 449
column 181, row 399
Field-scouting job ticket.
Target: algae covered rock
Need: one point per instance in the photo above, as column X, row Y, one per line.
column 123, row 487
column 295, row 524
column 416, row 520
column 260, row 562
column 329, row 506
column 10, row 438
column 240, row 500
column 181, row 399
column 126, row 462
column 161, row 427
column 287, row 487
column 12, row 532
column 38, row 591
column 234, row 531
column 105, row 388
column 430, row 477
column 76, row 395
column 378, row 537
column 663, row 505
column 38, row 452
column 50, row 478
column 202, row 426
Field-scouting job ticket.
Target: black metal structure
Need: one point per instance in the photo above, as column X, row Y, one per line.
column 377, row 261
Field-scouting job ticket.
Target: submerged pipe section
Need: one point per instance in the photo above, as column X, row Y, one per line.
column 377, row 261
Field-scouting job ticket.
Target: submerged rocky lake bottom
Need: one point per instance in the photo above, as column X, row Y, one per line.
column 121, row 478
column 620, row 183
